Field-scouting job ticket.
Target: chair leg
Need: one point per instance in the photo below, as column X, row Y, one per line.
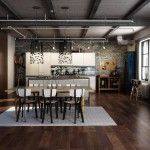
column 56, row 109
column 18, row 113
column 70, row 107
column 51, row 117
column 61, row 105
column 41, row 108
column 28, row 107
column 36, row 114
column 47, row 109
column 78, row 108
column 75, row 114
column 43, row 114
column 64, row 113
column 22, row 109
column 81, row 111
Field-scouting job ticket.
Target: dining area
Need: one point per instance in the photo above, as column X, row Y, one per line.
column 53, row 100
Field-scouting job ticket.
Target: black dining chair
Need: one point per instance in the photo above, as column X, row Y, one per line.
column 49, row 99
column 24, row 99
column 76, row 101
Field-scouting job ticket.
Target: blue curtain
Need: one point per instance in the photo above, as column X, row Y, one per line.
column 130, row 71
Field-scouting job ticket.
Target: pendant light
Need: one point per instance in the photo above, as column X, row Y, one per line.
column 36, row 47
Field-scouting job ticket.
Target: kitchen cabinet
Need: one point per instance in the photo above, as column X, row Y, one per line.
column 77, row 59
column 88, row 59
column 44, row 69
column 54, row 58
column 31, row 69
column 108, row 83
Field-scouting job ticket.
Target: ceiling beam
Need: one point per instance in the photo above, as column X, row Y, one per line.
column 7, row 9
column 92, row 11
column 12, row 13
column 140, row 4
column 97, row 22
column 136, row 8
column 48, row 5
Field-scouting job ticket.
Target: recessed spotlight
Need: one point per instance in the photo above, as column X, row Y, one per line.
column 52, row 10
column 65, row 7
column 36, row 7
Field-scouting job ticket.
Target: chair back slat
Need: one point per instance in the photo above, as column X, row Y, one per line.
column 54, row 92
column 83, row 92
column 71, row 92
column 78, row 93
column 21, row 92
column 47, row 92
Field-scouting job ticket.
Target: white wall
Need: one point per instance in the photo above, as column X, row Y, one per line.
column 10, row 59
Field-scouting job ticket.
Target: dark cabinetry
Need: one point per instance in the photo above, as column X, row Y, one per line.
column 108, row 83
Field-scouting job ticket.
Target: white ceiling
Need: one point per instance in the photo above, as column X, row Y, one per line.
column 126, row 30
column 97, row 31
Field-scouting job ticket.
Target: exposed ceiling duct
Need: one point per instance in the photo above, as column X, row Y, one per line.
column 121, row 41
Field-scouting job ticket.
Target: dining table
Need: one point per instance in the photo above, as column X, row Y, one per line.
column 60, row 89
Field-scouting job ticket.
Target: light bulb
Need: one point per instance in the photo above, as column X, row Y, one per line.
column 104, row 47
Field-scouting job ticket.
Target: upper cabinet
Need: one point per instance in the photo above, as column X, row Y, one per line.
column 54, row 58
column 44, row 69
column 77, row 59
column 31, row 69
column 88, row 59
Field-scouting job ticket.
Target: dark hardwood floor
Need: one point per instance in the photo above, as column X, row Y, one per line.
column 131, row 133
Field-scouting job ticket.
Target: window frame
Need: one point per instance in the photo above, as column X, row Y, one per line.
column 142, row 57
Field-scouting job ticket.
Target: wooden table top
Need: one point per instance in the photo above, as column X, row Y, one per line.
column 59, row 88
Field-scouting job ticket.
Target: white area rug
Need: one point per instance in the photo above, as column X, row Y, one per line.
column 93, row 116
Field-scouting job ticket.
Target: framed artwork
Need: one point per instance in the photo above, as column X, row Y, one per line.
column 107, row 65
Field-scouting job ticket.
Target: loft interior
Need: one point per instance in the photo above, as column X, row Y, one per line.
column 99, row 48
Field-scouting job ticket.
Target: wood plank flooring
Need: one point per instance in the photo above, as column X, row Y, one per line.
column 132, row 132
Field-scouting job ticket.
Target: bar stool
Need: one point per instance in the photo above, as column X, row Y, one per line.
column 30, row 85
column 49, row 85
column 41, row 85
column 135, row 89
column 35, row 85
column 73, row 85
column 54, row 85
column 49, row 97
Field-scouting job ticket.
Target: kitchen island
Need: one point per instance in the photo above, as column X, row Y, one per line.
column 63, row 80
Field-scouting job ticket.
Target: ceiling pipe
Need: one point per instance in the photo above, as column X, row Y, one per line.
column 11, row 28
column 92, row 22
column 48, row 28
column 65, row 38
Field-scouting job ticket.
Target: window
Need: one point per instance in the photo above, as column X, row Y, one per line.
column 145, row 45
